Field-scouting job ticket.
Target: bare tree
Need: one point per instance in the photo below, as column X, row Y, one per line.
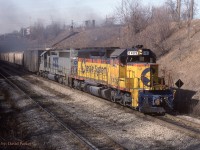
column 174, row 9
column 135, row 17
column 189, row 9
column 182, row 9
column 37, row 31
column 185, row 10
column 53, row 30
column 159, row 29
column 150, row 27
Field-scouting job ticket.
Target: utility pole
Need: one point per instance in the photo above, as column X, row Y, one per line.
column 191, row 16
column 191, row 9
column 179, row 9
column 72, row 27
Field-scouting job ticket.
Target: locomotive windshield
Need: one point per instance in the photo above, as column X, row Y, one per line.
column 140, row 59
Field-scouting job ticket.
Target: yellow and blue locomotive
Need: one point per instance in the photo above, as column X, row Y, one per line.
column 128, row 76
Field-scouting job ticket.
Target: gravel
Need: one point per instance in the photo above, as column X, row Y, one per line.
column 31, row 126
column 124, row 127
column 195, row 120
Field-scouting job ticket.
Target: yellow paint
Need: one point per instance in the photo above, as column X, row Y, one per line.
column 94, row 71
column 127, row 78
column 134, row 94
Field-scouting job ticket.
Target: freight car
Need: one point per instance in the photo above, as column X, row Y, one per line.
column 19, row 58
column 11, row 57
column 127, row 76
column 29, row 59
column 32, row 60
column 8, row 57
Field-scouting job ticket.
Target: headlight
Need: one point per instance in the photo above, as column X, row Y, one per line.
column 157, row 101
column 165, row 98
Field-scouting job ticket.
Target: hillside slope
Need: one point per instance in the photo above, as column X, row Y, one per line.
column 183, row 61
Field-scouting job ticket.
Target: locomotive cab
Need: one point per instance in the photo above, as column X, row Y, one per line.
column 149, row 93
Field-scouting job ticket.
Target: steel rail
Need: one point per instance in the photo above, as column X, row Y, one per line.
column 82, row 139
column 170, row 123
column 158, row 119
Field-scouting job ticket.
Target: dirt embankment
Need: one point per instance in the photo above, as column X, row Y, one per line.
column 183, row 63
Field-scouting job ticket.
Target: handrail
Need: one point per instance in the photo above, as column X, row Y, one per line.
column 129, row 79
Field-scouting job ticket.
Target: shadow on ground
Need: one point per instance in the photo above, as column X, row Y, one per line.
column 185, row 103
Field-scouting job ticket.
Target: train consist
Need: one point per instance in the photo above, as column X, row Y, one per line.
column 30, row 59
column 127, row 76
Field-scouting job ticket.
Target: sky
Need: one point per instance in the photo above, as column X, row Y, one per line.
column 15, row 14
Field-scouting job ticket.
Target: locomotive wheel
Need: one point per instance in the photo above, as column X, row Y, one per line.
column 113, row 96
column 60, row 80
column 43, row 75
column 65, row 82
column 113, row 99
column 40, row 74
column 70, row 81
column 123, row 102
column 46, row 75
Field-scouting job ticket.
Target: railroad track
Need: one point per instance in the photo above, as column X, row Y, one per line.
column 6, row 132
column 86, row 134
column 187, row 127
column 182, row 125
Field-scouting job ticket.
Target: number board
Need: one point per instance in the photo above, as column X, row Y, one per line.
column 135, row 53
column 132, row 53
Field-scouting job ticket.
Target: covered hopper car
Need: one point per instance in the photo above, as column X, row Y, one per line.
column 28, row 59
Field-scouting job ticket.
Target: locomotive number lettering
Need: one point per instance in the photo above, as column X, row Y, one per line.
column 133, row 53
